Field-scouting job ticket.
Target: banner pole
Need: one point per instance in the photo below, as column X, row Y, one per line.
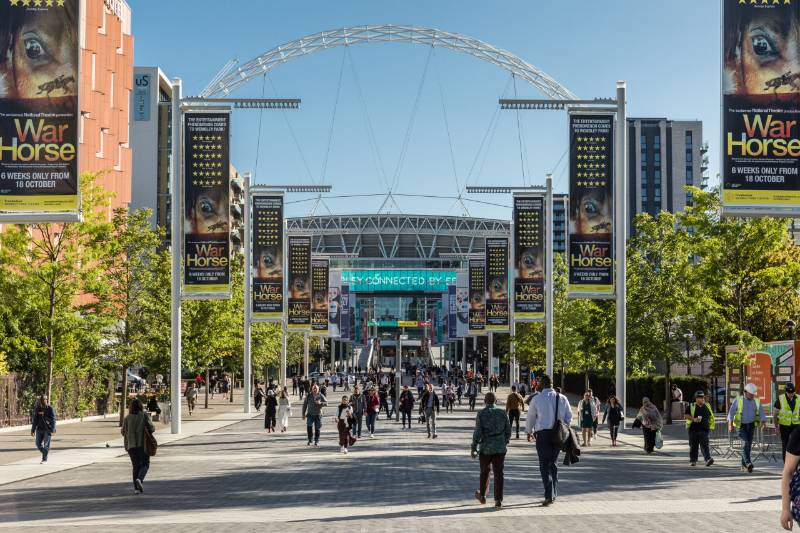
column 175, row 242
column 548, row 307
column 305, row 353
column 248, row 297
column 621, row 234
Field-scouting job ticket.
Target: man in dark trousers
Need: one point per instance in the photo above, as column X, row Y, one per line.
column 787, row 414
column 699, row 421
column 539, row 424
column 43, row 425
column 472, row 393
column 489, row 440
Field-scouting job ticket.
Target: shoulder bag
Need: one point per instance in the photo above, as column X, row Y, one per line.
column 560, row 428
column 150, row 442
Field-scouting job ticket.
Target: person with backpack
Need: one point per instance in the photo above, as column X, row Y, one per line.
column 514, row 405
column 699, row 421
column 489, row 442
column 472, row 393
column 270, row 410
column 43, row 425
column 133, row 428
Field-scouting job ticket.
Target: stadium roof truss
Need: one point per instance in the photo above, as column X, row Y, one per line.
column 398, row 236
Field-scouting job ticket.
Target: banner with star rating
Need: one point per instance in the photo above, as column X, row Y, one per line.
column 529, row 225
column 39, row 110
column 267, row 252
column 761, row 107
column 591, row 214
column 207, row 226
column 299, row 290
column 320, row 272
column 497, row 284
column 477, row 296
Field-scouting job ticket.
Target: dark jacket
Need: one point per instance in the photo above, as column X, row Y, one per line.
column 359, row 403
column 571, row 448
column 492, row 431
column 406, row 401
column 613, row 414
column 423, row 401
column 43, row 419
column 271, row 405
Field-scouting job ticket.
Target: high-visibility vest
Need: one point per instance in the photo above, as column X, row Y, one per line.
column 737, row 418
column 787, row 416
column 710, row 418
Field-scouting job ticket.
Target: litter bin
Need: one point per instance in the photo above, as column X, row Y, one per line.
column 678, row 410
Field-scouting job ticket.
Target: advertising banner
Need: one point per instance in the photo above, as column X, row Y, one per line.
column 477, row 297
column 207, row 227
column 299, row 288
column 334, row 303
column 591, row 214
column 267, row 252
column 319, row 297
column 398, row 280
column 529, row 225
column 344, row 323
column 497, row 284
column 452, row 313
column 462, row 304
column 39, row 111
column 760, row 106
column 771, row 367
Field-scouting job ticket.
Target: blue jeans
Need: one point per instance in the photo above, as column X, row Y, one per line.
column 372, row 416
column 746, row 432
column 548, row 457
column 43, row 442
column 357, row 421
column 315, row 422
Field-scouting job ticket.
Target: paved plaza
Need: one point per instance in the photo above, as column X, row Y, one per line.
column 237, row 478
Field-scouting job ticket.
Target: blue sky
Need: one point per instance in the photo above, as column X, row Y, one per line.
column 668, row 52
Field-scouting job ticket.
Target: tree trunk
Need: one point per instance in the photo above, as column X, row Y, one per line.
column 208, row 384
column 667, row 390
column 123, row 398
column 51, row 341
column 585, row 379
column 233, row 385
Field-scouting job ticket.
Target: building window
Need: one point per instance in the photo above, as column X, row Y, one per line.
column 657, row 177
column 657, row 142
column 689, row 175
column 657, row 158
column 688, row 155
column 94, row 72
column 101, row 144
column 643, row 141
column 688, row 139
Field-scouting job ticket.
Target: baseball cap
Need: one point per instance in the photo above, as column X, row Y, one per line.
column 699, row 394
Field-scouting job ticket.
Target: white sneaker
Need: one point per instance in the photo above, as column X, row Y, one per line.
column 44, row 462
column 371, row 436
column 344, row 451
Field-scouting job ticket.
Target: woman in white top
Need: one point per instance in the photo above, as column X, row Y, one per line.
column 284, row 410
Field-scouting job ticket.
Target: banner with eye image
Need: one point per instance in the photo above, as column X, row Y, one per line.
column 298, row 311
column 477, row 296
column 760, row 107
column 529, row 224
column 39, row 111
column 591, row 214
column 497, row 284
column 319, row 296
column 207, row 227
column 267, row 252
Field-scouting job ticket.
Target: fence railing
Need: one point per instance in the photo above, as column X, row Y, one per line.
column 766, row 442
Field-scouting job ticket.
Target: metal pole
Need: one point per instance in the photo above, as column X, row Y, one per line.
column 490, row 352
column 548, row 306
column 305, row 353
column 282, row 371
column 248, row 299
column 398, row 379
column 463, row 354
column 175, row 243
column 621, row 234
column 284, row 322
column 512, row 371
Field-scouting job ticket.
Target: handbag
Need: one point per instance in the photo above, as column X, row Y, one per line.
column 560, row 429
column 659, row 440
column 794, row 495
column 150, row 443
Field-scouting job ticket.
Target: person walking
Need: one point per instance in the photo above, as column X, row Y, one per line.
column 295, row 384
column 284, row 410
column 489, row 442
column 43, row 425
column 359, row 404
column 429, row 405
column 746, row 414
column 514, row 404
column 588, row 414
column 302, row 386
column 270, row 410
column 373, row 408
column 472, row 393
column 596, row 402
column 650, row 419
column 614, row 416
column 789, row 510
column 392, row 399
column 547, row 408
column 420, row 382
column 383, row 395
column 312, row 412
column 787, row 415
column 699, row 421
column 344, row 417
column 459, row 391
column 191, row 397
column 259, row 397
column 406, row 406
column 133, row 428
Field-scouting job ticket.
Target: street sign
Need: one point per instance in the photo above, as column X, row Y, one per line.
column 403, row 337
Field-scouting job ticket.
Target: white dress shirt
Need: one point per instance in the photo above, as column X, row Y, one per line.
column 542, row 411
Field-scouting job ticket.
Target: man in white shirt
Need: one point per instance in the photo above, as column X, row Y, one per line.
column 539, row 425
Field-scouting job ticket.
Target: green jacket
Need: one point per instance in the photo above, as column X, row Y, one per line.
column 492, row 431
column 133, row 429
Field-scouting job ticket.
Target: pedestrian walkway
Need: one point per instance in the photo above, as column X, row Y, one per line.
column 231, row 476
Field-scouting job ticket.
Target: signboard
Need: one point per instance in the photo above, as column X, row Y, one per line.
column 398, row 280
column 477, row 296
column 319, row 296
column 591, row 214
column 760, row 107
column 529, row 262
column 142, row 89
column 39, row 111
column 772, row 366
column 344, row 323
column 335, row 303
column 207, row 227
column 462, row 304
column 452, row 313
column 497, row 284
column 299, row 288
column 267, row 252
